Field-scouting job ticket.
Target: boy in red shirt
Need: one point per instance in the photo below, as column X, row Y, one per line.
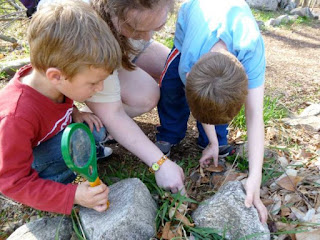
column 72, row 52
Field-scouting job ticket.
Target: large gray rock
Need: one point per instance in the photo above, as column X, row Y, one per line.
column 269, row 5
column 302, row 12
column 44, row 229
column 225, row 211
column 131, row 214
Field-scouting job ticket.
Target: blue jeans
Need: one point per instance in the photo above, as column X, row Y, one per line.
column 48, row 160
column 174, row 111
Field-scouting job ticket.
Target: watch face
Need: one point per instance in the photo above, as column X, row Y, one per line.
column 155, row 166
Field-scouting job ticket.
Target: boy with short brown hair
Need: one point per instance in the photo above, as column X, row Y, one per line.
column 217, row 84
column 208, row 28
column 72, row 52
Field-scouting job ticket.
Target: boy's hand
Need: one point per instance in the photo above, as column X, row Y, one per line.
column 253, row 197
column 89, row 118
column 92, row 197
column 209, row 153
column 171, row 177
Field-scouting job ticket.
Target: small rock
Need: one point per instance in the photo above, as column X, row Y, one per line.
column 283, row 19
column 44, row 229
column 293, row 17
column 302, row 12
column 272, row 22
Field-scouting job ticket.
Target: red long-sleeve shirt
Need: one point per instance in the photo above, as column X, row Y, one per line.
column 28, row 118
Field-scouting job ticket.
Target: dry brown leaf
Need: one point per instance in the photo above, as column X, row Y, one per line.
column 1, row 56
column 205, row 179
column 285, row 211
column 293, row 236
column 285, row 226
column 213, row 168
column 217, row 180
column 267, row 202
column 304, row 154
column 179, row 231
column 289, row 182
column 171, row 235
column 314, row 235
column 166, row 230
column 183, row 208
column 184, row 219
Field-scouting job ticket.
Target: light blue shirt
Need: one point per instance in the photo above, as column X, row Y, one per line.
column 201, row 23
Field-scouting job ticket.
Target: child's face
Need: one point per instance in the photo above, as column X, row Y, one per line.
column 84, row 84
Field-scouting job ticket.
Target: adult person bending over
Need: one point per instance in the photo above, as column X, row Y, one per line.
column 135, row 19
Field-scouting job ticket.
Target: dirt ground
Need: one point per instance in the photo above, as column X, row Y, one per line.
column 293, row 76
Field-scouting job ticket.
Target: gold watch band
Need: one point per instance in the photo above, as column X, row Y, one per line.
column 156, row 166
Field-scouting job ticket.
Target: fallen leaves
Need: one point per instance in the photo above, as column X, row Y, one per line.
column 289, row 182
column 314, row 235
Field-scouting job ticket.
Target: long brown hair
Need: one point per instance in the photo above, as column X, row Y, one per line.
column 108, row 8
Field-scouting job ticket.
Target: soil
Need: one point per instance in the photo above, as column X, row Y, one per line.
column 293, row 76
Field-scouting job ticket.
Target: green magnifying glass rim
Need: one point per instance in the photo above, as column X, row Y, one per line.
column 89, row 170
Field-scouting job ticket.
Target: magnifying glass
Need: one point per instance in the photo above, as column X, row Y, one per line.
column 79, row 152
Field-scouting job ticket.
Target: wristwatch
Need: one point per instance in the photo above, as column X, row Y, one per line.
column 156, row 165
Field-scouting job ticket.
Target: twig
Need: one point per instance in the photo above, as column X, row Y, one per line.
column 12, row 14
column 7, row 39
column 13, row 4
column 11, row 19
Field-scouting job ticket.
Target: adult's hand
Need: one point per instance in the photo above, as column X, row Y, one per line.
column 171, row 177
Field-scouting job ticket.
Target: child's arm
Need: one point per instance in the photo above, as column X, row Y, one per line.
column 129, row 135
column 88, row 117
column 212, row 150
column 92, row 197
column 18, row 180
column 255, row 132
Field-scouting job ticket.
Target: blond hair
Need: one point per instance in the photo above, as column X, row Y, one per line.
column 69, row 35
column 216, row 88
